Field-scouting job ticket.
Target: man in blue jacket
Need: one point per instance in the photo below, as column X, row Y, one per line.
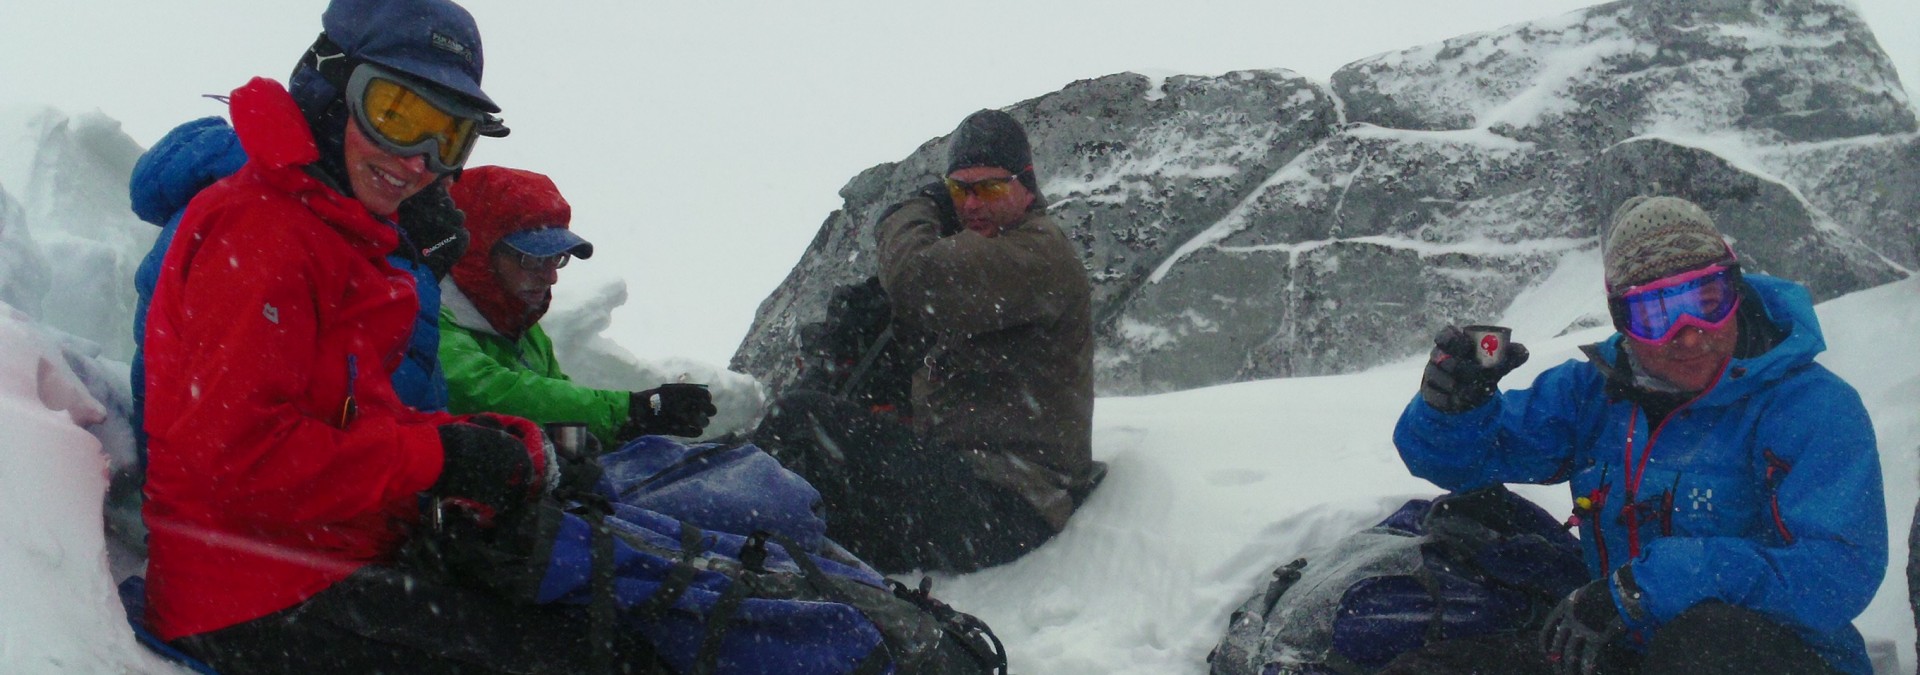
column 1726, row 487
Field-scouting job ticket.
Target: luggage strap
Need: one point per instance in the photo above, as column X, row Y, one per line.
column 753, row 556
column 601, row 617
column 972, row 633
column 860, row 371
column 678, row 580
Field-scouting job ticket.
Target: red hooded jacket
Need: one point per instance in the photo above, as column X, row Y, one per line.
column 500, row 201
column 280, row 458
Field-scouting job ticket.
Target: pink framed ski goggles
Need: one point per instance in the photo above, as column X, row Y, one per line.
column 1654, row 312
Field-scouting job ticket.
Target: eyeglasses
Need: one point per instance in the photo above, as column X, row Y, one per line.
column 407, row 119
column 1653, row 313
column 987, row 188
column 538, row 263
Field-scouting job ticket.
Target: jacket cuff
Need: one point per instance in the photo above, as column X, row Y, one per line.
column 1630, row 599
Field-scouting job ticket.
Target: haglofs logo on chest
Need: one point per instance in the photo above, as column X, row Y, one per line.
column 271, row 312
column 1702, row 499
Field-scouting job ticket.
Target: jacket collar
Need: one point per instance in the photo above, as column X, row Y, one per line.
column 279, row 146
column 465, row 314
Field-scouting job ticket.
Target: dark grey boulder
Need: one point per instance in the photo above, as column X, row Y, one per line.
column 1258, row 224
column 1133, row 167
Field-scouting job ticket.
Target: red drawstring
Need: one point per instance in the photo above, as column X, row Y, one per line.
column 1633, row 482
column 1634, row 475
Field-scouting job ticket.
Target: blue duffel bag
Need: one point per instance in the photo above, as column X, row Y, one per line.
column 725, row 487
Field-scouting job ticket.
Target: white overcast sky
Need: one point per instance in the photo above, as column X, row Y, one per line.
column 702, row 144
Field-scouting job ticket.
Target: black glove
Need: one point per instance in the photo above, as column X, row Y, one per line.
column 1579, row 630
column 578, row 476
column 858, row 313
column 678, row 409
column 942, row 202
column 435, row 227
column 580, row 471
column 484, row 467
column 1454, row 381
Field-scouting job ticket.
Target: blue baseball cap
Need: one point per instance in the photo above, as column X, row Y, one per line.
column 549, row 241
column 433, row 40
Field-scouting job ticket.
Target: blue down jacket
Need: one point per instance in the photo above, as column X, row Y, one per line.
column 1764, row 492
column 193, row 156
column 188, row 159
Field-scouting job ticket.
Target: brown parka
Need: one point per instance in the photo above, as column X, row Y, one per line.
column 1009, row 380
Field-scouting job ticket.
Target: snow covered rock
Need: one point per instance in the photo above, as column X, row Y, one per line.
column 1784, row 71
column 1259, row 224
column 1868, row 186
column 70, row 175
column 24, row 276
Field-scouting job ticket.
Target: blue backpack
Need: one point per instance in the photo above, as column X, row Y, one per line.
column 1462, row 565
column 710, row 602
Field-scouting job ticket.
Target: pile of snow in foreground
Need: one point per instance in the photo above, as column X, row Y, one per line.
column 58, row 609
column 1209, row 490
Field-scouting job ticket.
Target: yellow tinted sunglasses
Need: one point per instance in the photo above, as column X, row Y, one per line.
column 987, row 188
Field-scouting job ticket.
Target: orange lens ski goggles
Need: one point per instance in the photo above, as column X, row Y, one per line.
column 408, row 119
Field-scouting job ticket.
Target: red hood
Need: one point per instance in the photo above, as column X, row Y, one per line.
column 279, row 146
column 500, row 201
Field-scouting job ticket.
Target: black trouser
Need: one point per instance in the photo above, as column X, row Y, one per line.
column 1913, row 570
column 1709, row 639
column 383, row 620
column 897, row 503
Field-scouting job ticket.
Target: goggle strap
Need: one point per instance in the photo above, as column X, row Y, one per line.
column 330, row 61
column 493, row 127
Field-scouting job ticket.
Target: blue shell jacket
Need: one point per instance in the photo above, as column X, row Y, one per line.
column 1764, row 492
column 199, row 153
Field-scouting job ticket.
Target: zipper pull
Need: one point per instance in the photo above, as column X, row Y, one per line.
column 349, row 409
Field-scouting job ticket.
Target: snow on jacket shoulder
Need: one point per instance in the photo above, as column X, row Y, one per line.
column 1764, row 492
column 280, row 459
column 488, row 372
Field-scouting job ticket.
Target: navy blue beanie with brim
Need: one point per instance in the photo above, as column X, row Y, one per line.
column 435, row 41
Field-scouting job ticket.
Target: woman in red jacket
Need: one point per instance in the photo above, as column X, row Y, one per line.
column 285, row 474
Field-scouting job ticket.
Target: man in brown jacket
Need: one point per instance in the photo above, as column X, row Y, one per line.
column 1000, row 449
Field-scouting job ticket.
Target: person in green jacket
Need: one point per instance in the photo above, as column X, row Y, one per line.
column 496, row 356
